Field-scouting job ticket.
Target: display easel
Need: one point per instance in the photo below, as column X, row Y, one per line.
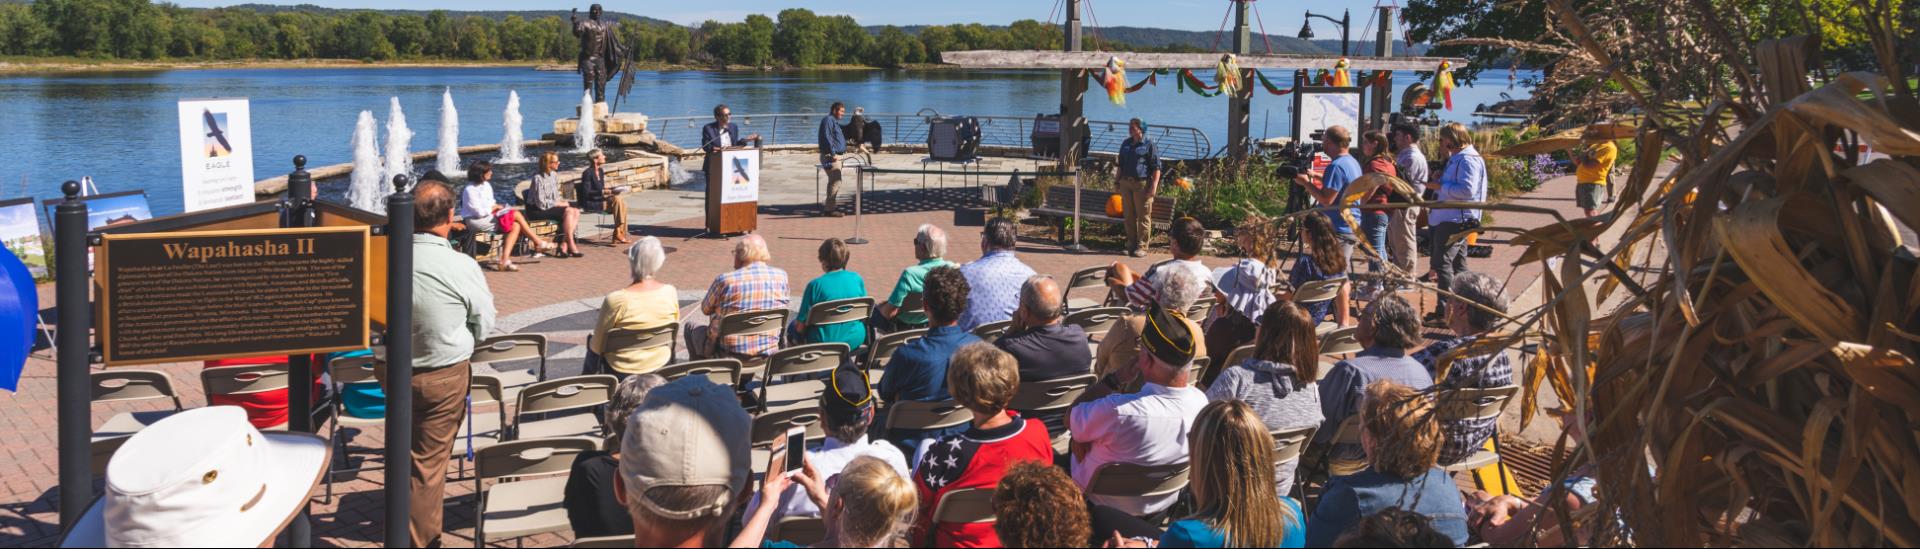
column 736, row 217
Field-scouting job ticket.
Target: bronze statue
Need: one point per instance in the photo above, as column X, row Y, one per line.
column 600, row 52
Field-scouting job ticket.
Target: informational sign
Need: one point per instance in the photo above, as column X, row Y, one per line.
column 1319, row 108
column 20, row 228
column 175, row 297
column 216, row 153
column 106, row 210
column 740, row 176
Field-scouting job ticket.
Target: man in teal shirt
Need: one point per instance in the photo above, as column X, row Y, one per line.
column 838, row 283
column 930, row 247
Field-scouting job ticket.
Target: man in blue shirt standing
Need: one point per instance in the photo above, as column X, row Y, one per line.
column 1463, row 180
column 833, row 143
column 1340, row 173
column 1138, row 179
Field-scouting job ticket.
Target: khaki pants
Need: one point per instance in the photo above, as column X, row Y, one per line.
column 439, row 406
column 1403, row 237
column 832, row 167
column 1139, row 212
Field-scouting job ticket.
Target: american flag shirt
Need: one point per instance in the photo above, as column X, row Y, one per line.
column 976, row 458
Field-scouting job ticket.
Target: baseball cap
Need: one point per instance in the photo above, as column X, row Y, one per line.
column 691, row 432
column 1167, row 337
column 848, row 395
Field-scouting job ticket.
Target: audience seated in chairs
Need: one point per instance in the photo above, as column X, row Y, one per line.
column 1480, row 370
column 1116, row 358
column 1388, row 328
column 1045, row 348
column 983, row 380
column 838, row 283
column 846, row 413
column 867, row 504
column 1241, row 293
column 1186, row 238
column 1278, row 380
column 1144, row 428
column 645, row 304
column 683, row 462
column 1037, row 505
column 1323, row 260
column 590, row 501
column 930, row 249
column 1232, row 487
column 1402, row 440
column 995, row 277
column 753, row 285
column 918, row 370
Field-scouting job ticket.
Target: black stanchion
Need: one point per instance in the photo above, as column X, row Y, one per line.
column 297, row 211
column 399, row 361
column 71, row 288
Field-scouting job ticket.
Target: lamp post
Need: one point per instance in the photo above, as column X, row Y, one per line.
column 1345, row 22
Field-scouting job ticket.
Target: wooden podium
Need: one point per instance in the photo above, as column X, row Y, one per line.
column 733, row 191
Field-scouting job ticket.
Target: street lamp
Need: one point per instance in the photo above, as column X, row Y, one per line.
column 1345, row 22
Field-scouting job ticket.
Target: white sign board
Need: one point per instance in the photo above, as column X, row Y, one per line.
column 216, row 153
column 1322, row 110
column 739, row 176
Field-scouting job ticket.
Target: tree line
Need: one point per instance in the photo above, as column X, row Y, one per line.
column 143, row 30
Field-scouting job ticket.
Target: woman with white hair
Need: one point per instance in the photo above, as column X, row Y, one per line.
column 645, row 304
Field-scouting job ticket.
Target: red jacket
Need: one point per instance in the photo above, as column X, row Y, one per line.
column 976, row 458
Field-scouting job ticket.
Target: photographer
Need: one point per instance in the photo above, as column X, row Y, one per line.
column 1463, row 180
column 1341, row 172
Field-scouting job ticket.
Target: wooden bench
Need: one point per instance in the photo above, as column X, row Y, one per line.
column 1058, row 205
column 497, row 240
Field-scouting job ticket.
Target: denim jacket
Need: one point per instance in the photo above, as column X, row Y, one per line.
column 1348, row 499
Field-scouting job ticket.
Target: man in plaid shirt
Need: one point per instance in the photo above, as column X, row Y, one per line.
column 1485, row 371
column 752, row 285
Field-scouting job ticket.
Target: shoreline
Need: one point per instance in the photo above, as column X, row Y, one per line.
column 47, row 66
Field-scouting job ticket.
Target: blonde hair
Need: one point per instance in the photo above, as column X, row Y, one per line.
column 546, row 158
column 1405, row 432
column 874, row 505
column 751, row 249
column 983, row 378
column 1232, row 476
column 1457, row 133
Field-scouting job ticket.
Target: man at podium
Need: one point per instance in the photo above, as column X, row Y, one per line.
column 722, row 133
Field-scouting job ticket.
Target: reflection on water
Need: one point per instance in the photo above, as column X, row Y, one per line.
column 121, row 129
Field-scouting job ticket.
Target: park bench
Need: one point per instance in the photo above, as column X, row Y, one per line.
column 1058, row 206
column 494, row 241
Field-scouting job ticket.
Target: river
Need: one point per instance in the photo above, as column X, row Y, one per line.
column 121, row 129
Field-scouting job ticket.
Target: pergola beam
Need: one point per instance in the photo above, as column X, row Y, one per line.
column 1094, row 60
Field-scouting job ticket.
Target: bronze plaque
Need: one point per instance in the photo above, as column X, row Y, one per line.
column 174, row 297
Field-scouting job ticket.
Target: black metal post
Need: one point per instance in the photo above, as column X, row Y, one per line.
column 296, row 212
column 399, row 362
column 71, row 288
column 1346, row 33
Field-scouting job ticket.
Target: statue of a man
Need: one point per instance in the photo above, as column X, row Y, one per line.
column 600, row 51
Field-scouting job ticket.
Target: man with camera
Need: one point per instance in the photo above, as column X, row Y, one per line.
column 1342, row 171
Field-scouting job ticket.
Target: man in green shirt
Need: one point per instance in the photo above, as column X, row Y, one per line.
column 838, row 283
column 452, row 310
column 930, row 247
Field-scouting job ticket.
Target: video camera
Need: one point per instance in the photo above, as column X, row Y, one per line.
column 1297, row 157
column 1414, row 113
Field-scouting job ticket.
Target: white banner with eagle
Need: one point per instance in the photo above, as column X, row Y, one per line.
column 216, row 153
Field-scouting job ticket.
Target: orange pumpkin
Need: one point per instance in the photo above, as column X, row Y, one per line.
column 1115, row 206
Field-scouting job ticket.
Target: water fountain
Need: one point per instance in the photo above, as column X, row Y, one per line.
column 676, row 174
column 399, row 159
column 513, row 146
column 364, row 189
column 583, row 136
column 448, row 158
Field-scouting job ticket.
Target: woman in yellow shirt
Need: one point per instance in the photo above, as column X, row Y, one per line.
column 645, row 304
column 1594, row 161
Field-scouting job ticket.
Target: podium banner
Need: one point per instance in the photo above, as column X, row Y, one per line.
column 216, row 153
column 740, row 176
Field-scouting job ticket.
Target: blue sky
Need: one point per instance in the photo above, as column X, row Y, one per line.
column 1281, row 18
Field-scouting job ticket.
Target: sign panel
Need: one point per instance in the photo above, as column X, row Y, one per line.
column 740, row 176
column 1319, row 108
column 20, row 228
column 216, row 153
column 174, row 297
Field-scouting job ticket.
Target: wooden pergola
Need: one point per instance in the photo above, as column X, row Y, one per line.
column 1095, row 60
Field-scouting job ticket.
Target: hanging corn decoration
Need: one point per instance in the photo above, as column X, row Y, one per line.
column 1340, row 76
column 1443, row 83
column 1115, row 80
column 1227, row 75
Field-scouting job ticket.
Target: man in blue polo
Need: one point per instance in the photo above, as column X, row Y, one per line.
column 1138, row 179
column 832, row 144
column 1333, row 184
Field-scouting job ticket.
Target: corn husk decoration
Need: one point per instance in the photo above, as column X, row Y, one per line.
column 1340, row 75
column 1227, row 75
column 1115, row 80
column 1443, row 83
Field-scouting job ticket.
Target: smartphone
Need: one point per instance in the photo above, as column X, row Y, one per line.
column 777, row 456
column 796, row 448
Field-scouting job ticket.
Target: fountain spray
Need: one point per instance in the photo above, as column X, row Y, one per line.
column 448, row 159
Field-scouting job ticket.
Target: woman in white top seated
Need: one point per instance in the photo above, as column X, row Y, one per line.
column 483, row 214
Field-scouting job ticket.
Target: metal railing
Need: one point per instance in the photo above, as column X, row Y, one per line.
column 1174, row 142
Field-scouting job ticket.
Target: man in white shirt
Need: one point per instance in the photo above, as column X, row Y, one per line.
column 846, row 410
column 1402, row 229
column 1144, row 428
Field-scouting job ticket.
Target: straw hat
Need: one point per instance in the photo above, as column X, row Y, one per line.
column 202, row 478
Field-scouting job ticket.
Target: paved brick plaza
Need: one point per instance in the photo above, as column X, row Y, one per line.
column 551, row 295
